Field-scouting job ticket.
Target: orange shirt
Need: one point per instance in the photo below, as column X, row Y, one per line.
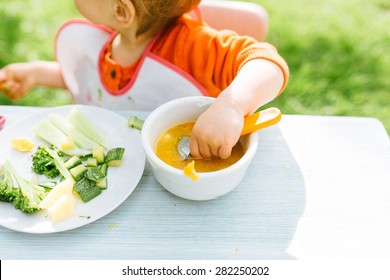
column 212, row 57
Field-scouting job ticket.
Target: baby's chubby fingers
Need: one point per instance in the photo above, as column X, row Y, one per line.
column 15, row 91
column 3, row 80
column 208, row 150
column 199, row 148
column 220, row 147
column 204, row 150
column 217, row 130
column 194, row 148
column 3, row 75
column 17, row 79
column 225, row 151
column 7, row 86
column 11, row 89
column 214, row 149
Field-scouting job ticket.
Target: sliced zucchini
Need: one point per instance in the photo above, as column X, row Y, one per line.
column 114, row 156
column 98, row 153
column 91, row 162
column 47, row 184
column 72, row 162
column 86, row 189
column 78, row 171
column 93, row 174
column 104, row 168
column 85, row 157
column 135, row 122
column 102, row 183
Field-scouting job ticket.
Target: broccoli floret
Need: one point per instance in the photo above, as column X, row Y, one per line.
column 43, row 162
column 8, row 191
column 29, row 194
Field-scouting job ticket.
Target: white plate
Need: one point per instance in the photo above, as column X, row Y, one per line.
column 122, row 180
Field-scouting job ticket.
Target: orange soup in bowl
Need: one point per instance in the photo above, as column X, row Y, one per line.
column 166, row 150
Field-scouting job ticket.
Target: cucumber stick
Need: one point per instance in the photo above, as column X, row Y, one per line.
column 69, row 129
column 51, row 134
column 82, row 123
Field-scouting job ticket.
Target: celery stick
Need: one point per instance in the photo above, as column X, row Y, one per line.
column 87, row 127
column 59, row 163
column 69, row 129
column 51, row 134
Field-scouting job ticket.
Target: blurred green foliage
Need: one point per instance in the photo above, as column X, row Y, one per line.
column 338, row 54
column 27, row 33
column 337, row 51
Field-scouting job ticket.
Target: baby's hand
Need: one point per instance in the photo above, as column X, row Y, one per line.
column 16, row 80
column 217, row 130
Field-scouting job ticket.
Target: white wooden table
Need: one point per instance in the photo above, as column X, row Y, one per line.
column 318, row 188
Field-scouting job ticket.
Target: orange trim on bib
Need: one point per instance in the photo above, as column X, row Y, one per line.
column 114, row 76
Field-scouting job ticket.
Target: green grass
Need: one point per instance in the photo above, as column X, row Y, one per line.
column 338, row 52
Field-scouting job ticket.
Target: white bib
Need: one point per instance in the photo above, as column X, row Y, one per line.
column 79, row 46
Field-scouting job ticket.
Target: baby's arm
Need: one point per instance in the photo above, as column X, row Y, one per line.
column 19, row 78
column 218, row 129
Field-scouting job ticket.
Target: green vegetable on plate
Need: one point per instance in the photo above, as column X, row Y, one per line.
column 43, row 163
column 78, row 172
column 91, row 162
column 85, row 125
column 58, row 162
column 25, row 194
column 114, row 156
column 86, row 189
column 8, row 192
column 69, row 129
column 94, row 174
column 135, row 122
column 72, row 162
column 98, row 153
column 51, row 134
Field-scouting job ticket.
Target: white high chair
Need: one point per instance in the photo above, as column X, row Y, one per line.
column 245, row 18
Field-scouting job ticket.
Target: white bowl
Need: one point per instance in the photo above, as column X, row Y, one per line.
column 210, row 185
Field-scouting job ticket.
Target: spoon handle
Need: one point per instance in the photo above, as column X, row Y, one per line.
column 261, row 119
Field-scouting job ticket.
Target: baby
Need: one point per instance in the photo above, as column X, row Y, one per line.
column 138, row 54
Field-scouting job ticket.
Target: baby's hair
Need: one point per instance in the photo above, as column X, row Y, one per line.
column 154, row 15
